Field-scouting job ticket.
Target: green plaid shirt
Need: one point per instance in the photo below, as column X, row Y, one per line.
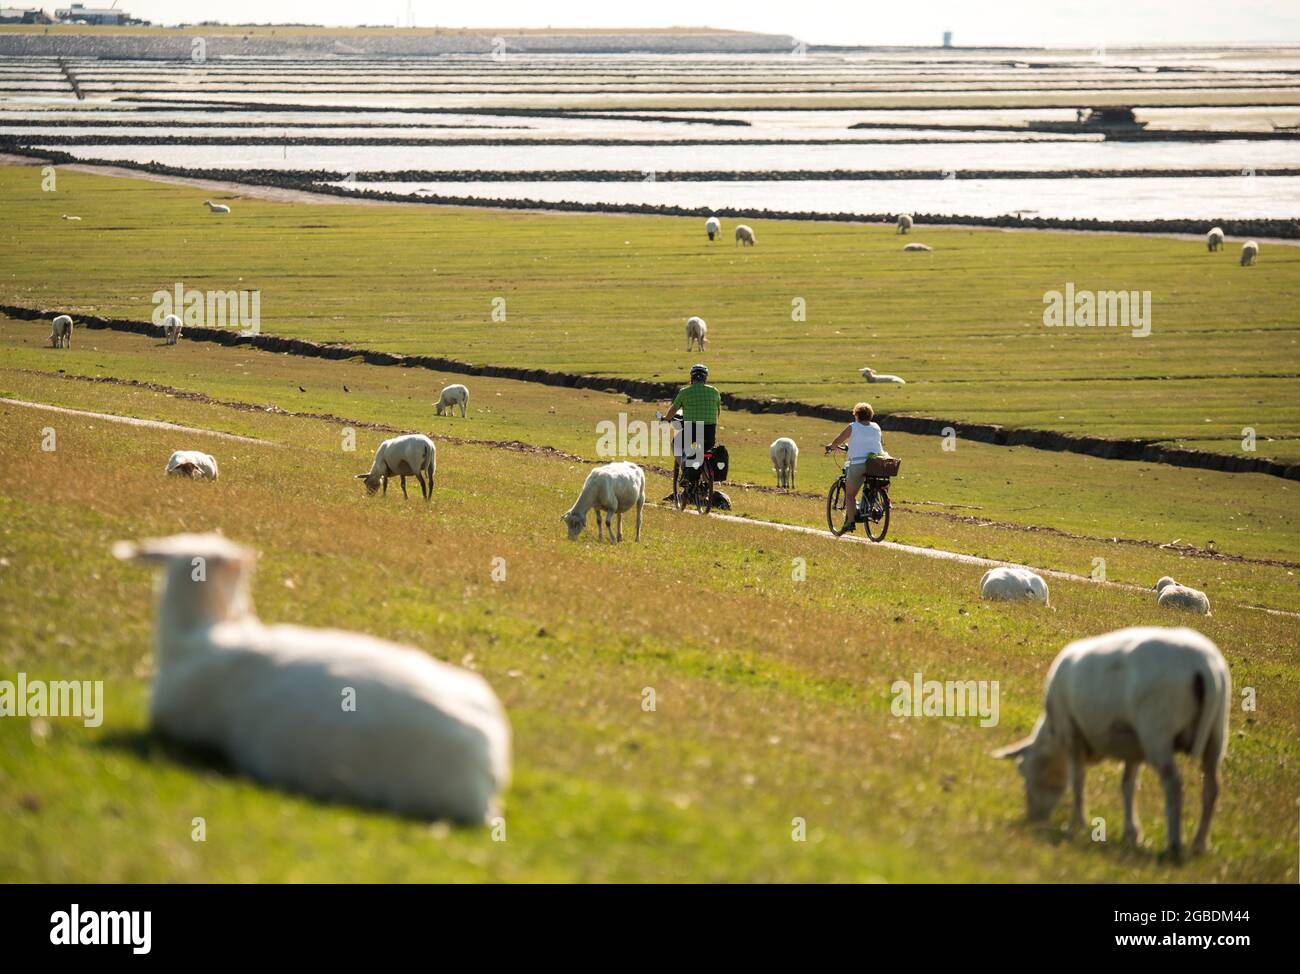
column 698, row 402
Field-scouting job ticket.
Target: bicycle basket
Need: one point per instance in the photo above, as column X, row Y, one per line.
column 721, row 463
column 882, row 467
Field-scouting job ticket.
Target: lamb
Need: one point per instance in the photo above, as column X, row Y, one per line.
column 410, row 455
column 192, row 464
column 696, row 331
column 1012, row 583
column 871, row 375
column 1249, row 251
column 1138, row 694
column 61, row 332
column 171, row 327
column 1171, row 595
column 904, row 222
column 451, row 397
column 917, row 248
column 1214, row 239
column 216, row 207
column 613, row 488
column 333, row 714
column 744, row 235
column 785, row 457
column 713, row 227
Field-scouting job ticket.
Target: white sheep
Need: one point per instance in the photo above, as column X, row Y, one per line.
column 61, row 332
column 334, row 714
column 904, row 222
column 696, row 331
column 1214, row 239
column 913, row 248
column 192, row 464
column 216, row 207
column 1139, row 694
column 171, row 327
column 452, row 397
column 410, row 455
column 744, row 235
column 713, row 227
column 1012, row 583
column 615, row 489
column 1171, row 595
column 871, row 375
column 1249, row 251
column 785, row 457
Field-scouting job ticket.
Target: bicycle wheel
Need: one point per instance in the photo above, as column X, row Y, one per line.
column 704, row 491
column 878, row 526
column 835, row 507
column 679, row 486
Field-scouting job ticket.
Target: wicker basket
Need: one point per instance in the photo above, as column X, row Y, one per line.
column 882, row 467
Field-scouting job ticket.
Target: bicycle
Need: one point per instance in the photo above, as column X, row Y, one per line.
column 698, row 494
column 873, row 499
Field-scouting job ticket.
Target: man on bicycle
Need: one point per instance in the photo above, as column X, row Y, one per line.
column 699, row 405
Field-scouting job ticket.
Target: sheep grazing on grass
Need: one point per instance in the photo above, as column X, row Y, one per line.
column 333, row 714
column 871, row 375
column 411, row 455
column 785, row 457
column 1013, row 584
column 192, row 464
column 914, row 248
column 904, row 223
column 61, row 332
column 744, row 235
column 1139, row 694
column 713, row 227
column 615, row 489
column 1171, row 595
column 1249, row 251
column 451, row 398
column 65, row 216
column 696, row 332
column 1214, row 239
column 171, row 327
column 216, row 207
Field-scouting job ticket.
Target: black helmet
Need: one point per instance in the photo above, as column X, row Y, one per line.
column 699, row 371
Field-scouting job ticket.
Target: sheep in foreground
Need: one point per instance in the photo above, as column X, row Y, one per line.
column 615, row 489
column 1171, row 595
column 1214, row 239
column 1249, row 251
column 216, row 207
column 696, row 331
column 171, row 327
column 785, row 457
column 61, row 332
column 1139, row 694
column 1009, row 583
column 411, row 455
column 192, row 464
column 871, row 375
column 914, row 248
column 904, row 222
column 337, row 715
column 744, row 235
column 453, row 397
column 713, row 227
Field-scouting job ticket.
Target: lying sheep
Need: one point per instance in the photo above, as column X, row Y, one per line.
column 193, row 464
column 713, row 227
column 411, row 455
column 615, row 489
column 1139, row 694
column 61, row 332
column 171, row 327
column 1249, row 251
column 1171, row 595
column 337, row 715
column 1214, row 239
column 696, row 331
column 904, row 222
column 1012, row 583
column 785, row 457
column 917, row 248
column 451, row 397
column 871, row 375
column 744, row 235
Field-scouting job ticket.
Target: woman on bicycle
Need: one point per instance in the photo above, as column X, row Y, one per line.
column 863, row 439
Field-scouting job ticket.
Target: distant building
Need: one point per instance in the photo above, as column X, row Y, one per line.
column 947, row 38
column 81, row 14
column 20, row 15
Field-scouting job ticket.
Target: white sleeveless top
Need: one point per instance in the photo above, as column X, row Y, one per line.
column 863, row 440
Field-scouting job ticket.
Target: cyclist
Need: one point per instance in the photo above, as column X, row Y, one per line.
column 699, row 405
column 863, row 438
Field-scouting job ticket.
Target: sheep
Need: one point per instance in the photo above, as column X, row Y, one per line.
column 904, row 222
column 785, row 457
column 1011, row 583
column 1138, row 694
column 216, row 207
column 61, row 332
column 744, row 235
column 696, row 331
column 410, row 455
column 67, row 216
column 913, row 248
column 614, row 489
column 337, row 715
column 1171, row 595
column 192, row 464
column 713, row 227
column 1214, row 239
column 1249, row 251
column 171, row 327
column 451, row 397
column 871, row 375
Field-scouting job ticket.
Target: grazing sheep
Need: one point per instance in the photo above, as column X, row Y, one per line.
column 614, row 488
column 67, row 217
column 1139, row 694
column 904, row 222
column 451, row 397
column 61, row 332
column 192, row 464
column 1249, row 251
column 913, row 248
column 744, row 235
column 713, row 227
column 785, row 457
column 696, row 331
column 216, row 207
column 334, row 714
column 411, row 455
column 871, row 375
column 171, row 327
column 1214, row 239
column 1007, row 584
column 1171, row 595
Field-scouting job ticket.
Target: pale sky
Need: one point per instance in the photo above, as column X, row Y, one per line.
column 1038, row 23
